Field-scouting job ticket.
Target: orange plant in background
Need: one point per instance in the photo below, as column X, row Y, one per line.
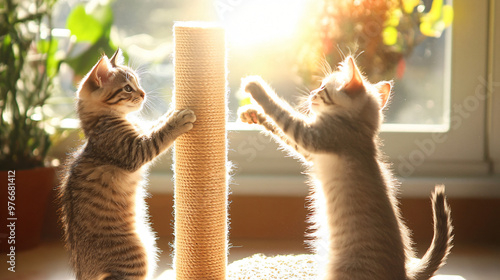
column 383, row 32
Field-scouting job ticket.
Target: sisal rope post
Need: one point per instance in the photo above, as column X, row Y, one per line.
column 200, row 155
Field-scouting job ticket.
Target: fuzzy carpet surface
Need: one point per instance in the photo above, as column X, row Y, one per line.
column 296, row 267
column 280, row 267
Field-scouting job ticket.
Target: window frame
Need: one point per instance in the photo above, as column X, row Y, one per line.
column 494, row 104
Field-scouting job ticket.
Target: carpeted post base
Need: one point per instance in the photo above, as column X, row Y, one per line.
column 292, row 267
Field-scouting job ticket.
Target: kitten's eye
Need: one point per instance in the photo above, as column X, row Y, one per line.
column 127, row 88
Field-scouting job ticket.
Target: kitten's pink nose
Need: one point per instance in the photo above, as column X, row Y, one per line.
column 142, row 93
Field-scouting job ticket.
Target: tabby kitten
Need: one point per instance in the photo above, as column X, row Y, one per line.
column 102, row 194
column 354, row 193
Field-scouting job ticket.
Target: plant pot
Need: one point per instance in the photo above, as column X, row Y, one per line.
column 22, row 222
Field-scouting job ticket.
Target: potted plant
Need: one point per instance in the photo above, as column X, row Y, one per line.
column 27, row 67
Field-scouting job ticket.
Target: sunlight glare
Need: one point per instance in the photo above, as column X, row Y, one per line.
column 262, row 21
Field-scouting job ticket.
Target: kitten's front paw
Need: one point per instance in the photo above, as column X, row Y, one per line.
column 251, row 115
column 184, row 119
column 255, row 86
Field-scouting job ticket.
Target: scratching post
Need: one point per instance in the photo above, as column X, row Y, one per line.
column 200, row 155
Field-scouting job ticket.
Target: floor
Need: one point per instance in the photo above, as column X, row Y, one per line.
column 49, row 260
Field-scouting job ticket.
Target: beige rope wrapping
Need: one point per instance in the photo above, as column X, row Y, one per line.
column 200, row 155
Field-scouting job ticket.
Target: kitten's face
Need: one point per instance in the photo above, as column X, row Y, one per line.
column 330, row 97
column 346, row 92
column 123, row 92
column 111, row 86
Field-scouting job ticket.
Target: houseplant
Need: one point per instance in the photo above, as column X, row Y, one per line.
column 27, row 67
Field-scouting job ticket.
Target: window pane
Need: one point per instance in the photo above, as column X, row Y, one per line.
column 422, row 93
column 262, row 40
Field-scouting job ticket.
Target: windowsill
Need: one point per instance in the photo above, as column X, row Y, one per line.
column 386, row 127
column 295, row 185
column 70, row 123
column 261, row 169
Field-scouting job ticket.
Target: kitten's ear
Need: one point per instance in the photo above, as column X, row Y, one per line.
column 100, row 72
column 117, row 58
column 384, row 91
column 354, row 81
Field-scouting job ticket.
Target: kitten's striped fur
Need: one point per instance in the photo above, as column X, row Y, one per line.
column 102, row 194
column 355, row 195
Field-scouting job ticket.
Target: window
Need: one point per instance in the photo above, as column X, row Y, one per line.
column 436, row 124
column 443, row 133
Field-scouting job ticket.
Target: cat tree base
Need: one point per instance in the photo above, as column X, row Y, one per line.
column 296, row 267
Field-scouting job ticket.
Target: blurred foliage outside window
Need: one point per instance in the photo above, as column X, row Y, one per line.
column 395, row 39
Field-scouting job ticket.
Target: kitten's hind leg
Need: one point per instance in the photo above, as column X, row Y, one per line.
column 251, row 115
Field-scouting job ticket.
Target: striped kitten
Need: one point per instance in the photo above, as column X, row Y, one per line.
column 359, row 231
column 102, row 196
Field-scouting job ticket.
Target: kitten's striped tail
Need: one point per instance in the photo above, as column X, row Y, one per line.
column 439, row 249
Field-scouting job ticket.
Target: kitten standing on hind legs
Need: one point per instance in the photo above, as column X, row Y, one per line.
column 355, row 203
column 102, row 193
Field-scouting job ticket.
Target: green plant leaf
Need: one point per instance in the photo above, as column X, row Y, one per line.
column 427, row 29
column 245, row 101
column 85, row 27
column 435, row 22
column 448, row 15
column 84, row 62
column 409, row 5
column 394, row 18
column 390, row 35
column 102, row 13
column 50, row 49
column 435, row 12
column 6, row 41
column 99, row 41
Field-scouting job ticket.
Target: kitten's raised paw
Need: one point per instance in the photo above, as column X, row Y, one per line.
column 184, row 119
column 250, row 115
column 254, row 86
